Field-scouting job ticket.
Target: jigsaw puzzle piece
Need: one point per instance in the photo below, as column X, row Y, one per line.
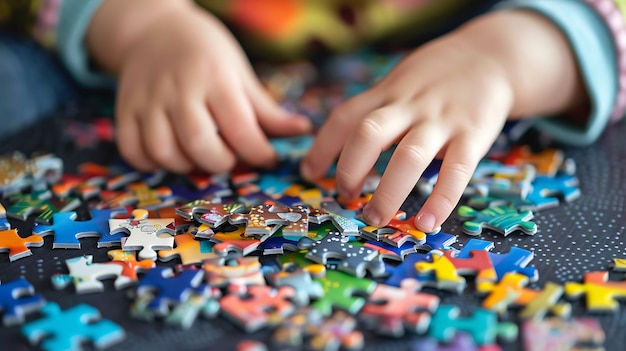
column 189, row 250
column 305, row 288
column 512, row 291
column 240, row 271
column 210, row 213
column 583, row 333
column 18, row 172
column 68, row 229
column 399, row 231
column 16, row 246
column 546, row 162
column 601, row 294
column 165, row 288
column 4, row 223
column 258, row 306
column 308, row 329
column 516, row 260
column 340, row 289
column 40, row 203
column 547, row 191
column 65, row 330
column 483, row 325
column 86, row 275
column 355, row 260
column 234, row 240
column 446, row 275
column 128, row 262
column 393, row 310
column 145, row 234
column 262, row 220
column 502, row 219
column 17, row 299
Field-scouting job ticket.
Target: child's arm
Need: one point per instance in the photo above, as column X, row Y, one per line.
column 448, row 99
column 188, row 98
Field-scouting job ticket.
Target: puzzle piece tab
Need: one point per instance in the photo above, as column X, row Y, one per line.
column 16, row 246
column 17, row 299
column 502, row 219
column 65, row 330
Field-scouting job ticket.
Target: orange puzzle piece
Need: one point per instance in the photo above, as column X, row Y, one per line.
column 17, row 246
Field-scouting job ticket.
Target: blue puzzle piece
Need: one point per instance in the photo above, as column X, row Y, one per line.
column 18, row 298
column 546, row 191
column 272, row 184
column 407, row 270
column 66, row 330
column 292, row 148
column 169, row 288
column 516, row 260
column 67, row 230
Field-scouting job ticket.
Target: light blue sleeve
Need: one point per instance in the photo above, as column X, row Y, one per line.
column 592, row 43
column 74, row 19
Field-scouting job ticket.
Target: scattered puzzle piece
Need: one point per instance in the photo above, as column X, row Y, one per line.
column 129, row 263
column 584, row 333
column 16, row 246
column 483, row 325
column 189, row 250
column 66, row 330
column 393, row 310
column 165, row 288
column 502, row 219
column 258, row 306
column 17, row 299
column 240, row 271
column 68, row 229
column 601, row 294
column 86, row 275
column 145, row 234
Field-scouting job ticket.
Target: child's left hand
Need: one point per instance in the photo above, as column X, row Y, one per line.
column 448, row 99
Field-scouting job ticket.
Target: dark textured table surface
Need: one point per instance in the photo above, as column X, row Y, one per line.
column 574, row 238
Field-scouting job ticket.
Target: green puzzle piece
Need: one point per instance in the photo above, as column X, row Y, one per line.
column 503, row 219
column 339, row 287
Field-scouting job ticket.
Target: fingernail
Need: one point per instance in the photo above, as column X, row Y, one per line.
column 425, row 222
column 371, row 216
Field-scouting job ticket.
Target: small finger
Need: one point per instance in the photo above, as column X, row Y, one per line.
column 411, row 157
column 372, row 135
column 128, row 140
column 161, row 144
column 334, row 133
column 459, row 162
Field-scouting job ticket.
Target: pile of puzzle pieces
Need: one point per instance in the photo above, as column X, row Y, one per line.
column 266, row 250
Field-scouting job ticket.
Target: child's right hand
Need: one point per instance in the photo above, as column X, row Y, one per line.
column 189, row 99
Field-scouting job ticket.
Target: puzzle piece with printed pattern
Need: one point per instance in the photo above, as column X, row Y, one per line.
column 261, row 221
column 355, row 260
column 188, row 250
column 446, row 276
column 482, row 325
column 502, row 219
column 66, row 330
column 17, row 299
column 166, row 288
column 449, row 269
column 391, row 310
column 305, row 288
column 548, row 191
column 582, row 334
column 16, row 246
column 399, row 231
column 210, row 213
column 68, row 229
column 141, row 195
column 4, row 223
column 511, row 290
column 234, row 240
column 129, row 263
column 145, row 234
column 601, row 294
column 258, row 306
column 546, row 162
column 40, row 203
column 18, row 172
column 239, row 271
column 344, row 225
column 341, row 290
column 84, row 186
column 406, row 270
column 86, row 275
column 308, row 329
column 516, row 260
column 494, row 177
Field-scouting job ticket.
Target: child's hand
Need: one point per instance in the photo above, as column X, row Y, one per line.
column 188, row 98
column 448, row 99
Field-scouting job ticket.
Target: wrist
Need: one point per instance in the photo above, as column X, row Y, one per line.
column 534, row 56
column 118, row 24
